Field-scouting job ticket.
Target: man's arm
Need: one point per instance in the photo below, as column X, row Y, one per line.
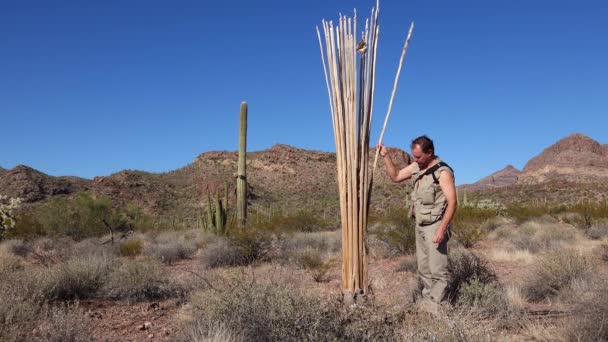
column 446, row 182
column 395, row 175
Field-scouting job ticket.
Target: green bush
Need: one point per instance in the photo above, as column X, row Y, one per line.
column 131, row 248
column 465, row 267
column 487, row 296
column 395, row 231
column 253, row 244
column 312, row 261
column 467, row 224
column 80, row 217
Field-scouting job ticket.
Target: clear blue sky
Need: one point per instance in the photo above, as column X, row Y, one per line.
column 89, row 88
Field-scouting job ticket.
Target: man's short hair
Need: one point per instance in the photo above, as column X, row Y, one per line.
column 425, row 143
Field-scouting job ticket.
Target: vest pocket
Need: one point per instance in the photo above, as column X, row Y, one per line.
column 427, row 195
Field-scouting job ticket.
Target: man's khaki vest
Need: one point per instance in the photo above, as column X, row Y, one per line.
column 428, row 201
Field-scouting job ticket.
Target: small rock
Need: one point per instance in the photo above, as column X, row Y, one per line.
column 146, row 326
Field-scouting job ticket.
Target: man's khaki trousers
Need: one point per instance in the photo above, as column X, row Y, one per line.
column 432, row 261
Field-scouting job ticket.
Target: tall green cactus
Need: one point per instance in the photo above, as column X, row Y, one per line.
column 241, row 182
column 210, row 218
column 217, row 212
column 219, row 215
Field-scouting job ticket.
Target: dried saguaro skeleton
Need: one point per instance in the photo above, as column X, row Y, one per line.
column 351, row 111
column 351, row 98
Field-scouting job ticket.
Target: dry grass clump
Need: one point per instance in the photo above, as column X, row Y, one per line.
column 555, row 271
column 20, row 306
column 328, row 242
column 9, row 262
column 16, row 247
column 590, row 321
column 538, row 235
column 241, row 247
column 137, row 280
column 278, row 312
column 199, row 331
column 312, row 261
column 131, row 248
column 77, row 278
column 448, row 327
column 598, row 230
column 221, row 253
column 171, row 252
column 493, row 223
column 61, row 324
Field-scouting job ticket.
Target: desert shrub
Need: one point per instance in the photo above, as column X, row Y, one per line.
column 131, row 248
column 467, row 234
column 9, row 262
column 535, row 236
column 465, row 267
column 590, row 321
column 598, row 230
column 27, row 226
column 299, row 221
column 79, row 217
column 78, row 278
column 397, row 239
column 137, row 280
column 487, row 296
column 64, row 323
column 521, row 213
column 171, row 252
column 554, row 271
column 19, row 308
column 467, row 224
column 394, row 231
column 277, row 312
column 491, row 224
column 253, row 244
column 312, row 261
column 222, row 253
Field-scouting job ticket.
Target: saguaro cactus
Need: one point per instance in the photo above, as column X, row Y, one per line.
column 217, row 212
column 241, row 182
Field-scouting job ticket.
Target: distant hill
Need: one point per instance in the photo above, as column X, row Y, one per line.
column 576, row 158
column 505, row 177
column 32, row 185
column 282, row 176
column 573, row 169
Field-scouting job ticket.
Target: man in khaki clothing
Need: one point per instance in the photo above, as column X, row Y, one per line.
column 433, row 206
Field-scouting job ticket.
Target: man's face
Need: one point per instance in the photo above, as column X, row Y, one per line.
column 423, row 159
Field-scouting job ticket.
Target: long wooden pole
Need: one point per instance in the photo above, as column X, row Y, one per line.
column 390, row 104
